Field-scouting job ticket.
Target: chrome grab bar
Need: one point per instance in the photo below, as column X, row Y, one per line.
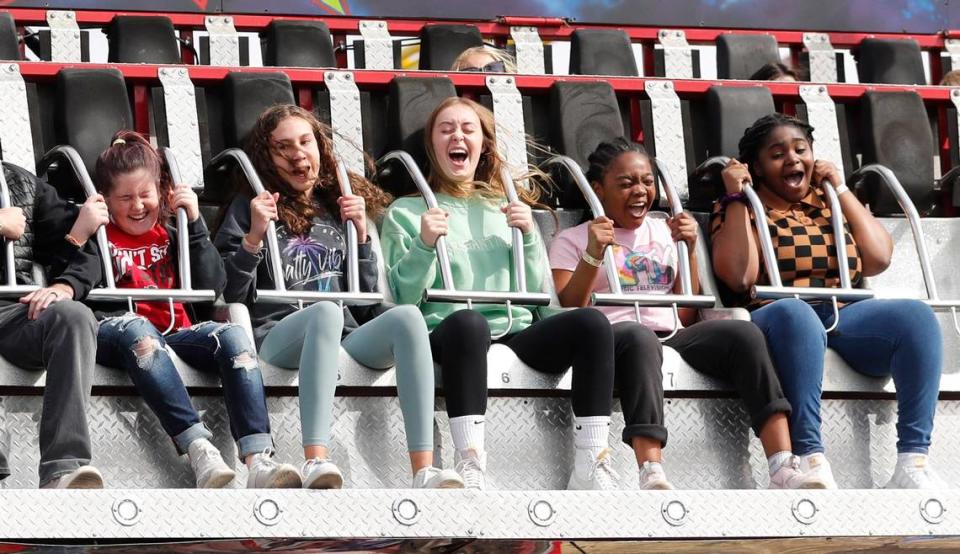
column 280, row 294
column 616, row 296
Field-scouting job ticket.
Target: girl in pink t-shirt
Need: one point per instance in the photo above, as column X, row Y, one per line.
column 622, row 175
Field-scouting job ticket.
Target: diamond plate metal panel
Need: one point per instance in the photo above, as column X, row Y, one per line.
column 952, row 46
column 224, row 41
column 183, row 127
column 823, row 58
column 15, row 133
column 64, row 36
column 529, row 50
column 822, row 114
column 668, row 132
column 677, row 54
column 377, row 45
column 345, row 119
column 508, row 114
column 528, row 441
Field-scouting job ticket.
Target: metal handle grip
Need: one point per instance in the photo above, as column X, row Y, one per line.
column 183, row 245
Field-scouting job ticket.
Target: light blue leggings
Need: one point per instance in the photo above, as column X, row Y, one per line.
column 310, row 340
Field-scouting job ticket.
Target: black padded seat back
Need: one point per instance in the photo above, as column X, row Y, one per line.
column 729, row 112
column 890, row 61
column 583, row 115
column 91, row 105
column 441, row 44
column 289, row 43
column 409, row 106
column 896, row 133
column 142, row 39
column 602, row 52
column 9, row 41
column 739, row 56
column 246, row 96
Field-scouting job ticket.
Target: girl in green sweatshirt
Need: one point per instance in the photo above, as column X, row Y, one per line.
column 476, row 219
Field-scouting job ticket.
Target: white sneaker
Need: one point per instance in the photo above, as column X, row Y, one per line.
column 653, row 478
column 789, row 476
column 265, row 473
column 915, row 473
column 471, row 469
column 816, row 467
column 601, row 475
column 84, row 477
column 321, row 474
column 208, row 465
column 435, row 478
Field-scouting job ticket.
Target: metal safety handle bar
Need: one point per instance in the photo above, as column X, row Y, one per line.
column 280, row 294
column 72, row 157
column 353, row 261
column 183, row 246
column 776, row 290
column 519, row 268
column 449, row 293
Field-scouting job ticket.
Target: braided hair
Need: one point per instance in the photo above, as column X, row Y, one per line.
column 754, row 137
column 606, row 152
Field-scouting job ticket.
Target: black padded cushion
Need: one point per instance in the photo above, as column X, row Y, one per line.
column 739, row 56
column 602, row 52
column 298, row 44
column 9, row 42
column 91, row 105
column 441, row 44
column 583, row 115
column 890, row 61
column 731, row 110
column 142, row 39
column 246, row 96
column 896, row 133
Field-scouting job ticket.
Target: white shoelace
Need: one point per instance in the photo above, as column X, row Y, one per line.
column 471, row 471
column 603, row 471
column 265, row 460
column 309, row 464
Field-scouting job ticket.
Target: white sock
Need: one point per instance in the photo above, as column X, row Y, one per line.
column 468, row 432
column 591, row 432
column 777, row 459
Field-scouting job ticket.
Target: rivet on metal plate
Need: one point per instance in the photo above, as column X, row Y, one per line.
column 674, row 512
column 804, row 511
column 267, row 511
column 932, row 510
column 406, row 511
column 126, row 512
column 541, row 512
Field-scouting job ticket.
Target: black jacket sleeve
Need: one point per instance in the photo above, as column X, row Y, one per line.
column 240, row 265
column 65, row 263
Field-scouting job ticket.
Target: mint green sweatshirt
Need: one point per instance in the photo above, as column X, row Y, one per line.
column 479, row 242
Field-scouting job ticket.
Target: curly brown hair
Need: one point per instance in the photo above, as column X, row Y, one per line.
column 487, row 181
column 295, row 211
column 130, row 151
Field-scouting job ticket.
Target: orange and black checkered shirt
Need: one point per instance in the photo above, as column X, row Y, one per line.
column 803, row 241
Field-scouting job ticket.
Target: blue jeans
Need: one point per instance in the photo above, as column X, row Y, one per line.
column 898, row 338
column 133, row 344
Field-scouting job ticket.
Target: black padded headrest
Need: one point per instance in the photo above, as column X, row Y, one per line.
column 246, row 96
column 441, row 44
column 602, row 52
column 731, row 110
column 143, row 39
column 583, row 116
column 9, row 41
column 896, row 133
column 91, row 105
column 290, row 43
column 739, row 56
column 890, row 61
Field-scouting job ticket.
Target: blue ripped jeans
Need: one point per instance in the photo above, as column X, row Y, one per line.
column 132, row 343
column 897, row 338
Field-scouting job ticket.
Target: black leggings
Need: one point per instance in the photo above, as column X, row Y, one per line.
column 727, row 349
column 581, row 338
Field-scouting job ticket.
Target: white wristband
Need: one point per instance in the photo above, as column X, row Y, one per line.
column 590, row 259
column 842, row 189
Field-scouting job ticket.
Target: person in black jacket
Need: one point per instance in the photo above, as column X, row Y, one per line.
column 143, row 247
column 49, row 329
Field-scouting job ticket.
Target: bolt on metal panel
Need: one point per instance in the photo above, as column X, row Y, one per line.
column 224, row 41
column 822, row 115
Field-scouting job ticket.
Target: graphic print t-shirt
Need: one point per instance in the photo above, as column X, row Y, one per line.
column 145, row 262
column 313, row 261
column 646, row 263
